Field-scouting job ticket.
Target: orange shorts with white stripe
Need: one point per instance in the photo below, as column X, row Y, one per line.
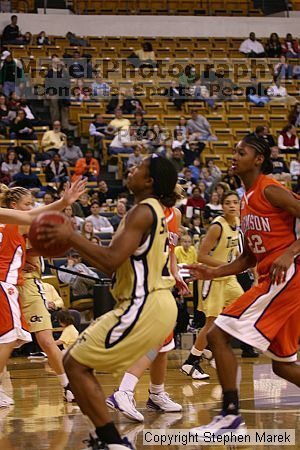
column 267, row 317
column 169, row 344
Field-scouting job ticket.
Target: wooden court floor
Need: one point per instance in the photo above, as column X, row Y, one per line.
column 41, row 420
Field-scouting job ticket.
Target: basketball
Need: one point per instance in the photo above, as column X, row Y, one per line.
column 56, row 249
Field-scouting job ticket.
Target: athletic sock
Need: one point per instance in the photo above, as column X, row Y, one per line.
column 156, row 388
column 230, row 403
column 63, row 379
column 207, row 353
column 194, row 356
column 128, row 382
column 108, row 434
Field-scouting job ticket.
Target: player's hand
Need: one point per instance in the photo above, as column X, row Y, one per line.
column 74, row 191
column 51, row 233
column 200, row 272
column 51, row 306
column 280, row 267
column 181, row 285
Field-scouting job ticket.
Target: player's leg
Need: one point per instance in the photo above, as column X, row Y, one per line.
column 159, row 399
column 5, row 352
column 192, row 366
column 123, row 398
column 90, row 397
column 290, row 371
column 55, row 357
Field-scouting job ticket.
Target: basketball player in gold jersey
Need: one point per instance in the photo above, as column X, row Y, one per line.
column 219, row 246
column 138, row 259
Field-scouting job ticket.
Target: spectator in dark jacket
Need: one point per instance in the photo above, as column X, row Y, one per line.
column 56, row 171
column 11, row 33
column 21, row 127
column 273, row 46
column 25, row 178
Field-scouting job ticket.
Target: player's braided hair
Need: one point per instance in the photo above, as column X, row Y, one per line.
column 10, row 195
column 164, row 175
column 262, row 148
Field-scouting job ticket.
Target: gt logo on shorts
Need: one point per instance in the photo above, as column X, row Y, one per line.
column 36, row 319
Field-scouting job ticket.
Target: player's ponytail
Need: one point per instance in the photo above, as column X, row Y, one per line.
column 164, row 176
column 10, row 195
column 262, row 148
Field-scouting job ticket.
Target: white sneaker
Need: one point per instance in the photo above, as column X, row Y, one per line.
column 5, row 400
column 221, row 425
column 194, row 370
column 68, row 394
column 162, row 402
column 124, row 402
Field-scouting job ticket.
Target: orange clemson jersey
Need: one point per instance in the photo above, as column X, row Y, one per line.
column 12, row 254
column 173, row 229
column 267, row 230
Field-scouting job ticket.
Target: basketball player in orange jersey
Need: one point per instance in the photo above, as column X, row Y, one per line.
column 123, row 398
column 268, row 315
column 13, row 328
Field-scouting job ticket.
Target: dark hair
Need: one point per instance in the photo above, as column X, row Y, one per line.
column 147, row 47
column 227, row 194
column 287, row 128
column 262, row 148
column 259, row 129
column 26, row 163
column 95, row 203
column 164, row 175
column 64, row 316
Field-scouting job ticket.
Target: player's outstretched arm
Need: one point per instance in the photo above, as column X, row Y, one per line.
column 71, row 194
column 107, row 259
column 242, row 263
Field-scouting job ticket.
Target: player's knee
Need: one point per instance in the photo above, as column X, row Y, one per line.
column 279, row 368
column 46, row 343
column 212, row 335
column 71, row 366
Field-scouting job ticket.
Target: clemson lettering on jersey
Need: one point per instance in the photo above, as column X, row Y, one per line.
column 253, row 222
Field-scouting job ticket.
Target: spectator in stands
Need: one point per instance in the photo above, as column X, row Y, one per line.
column 27, row 39
column 119, row 123
column 140, row 126
column 101, row 224
column 70, row 153
column 203, row 191
column 42, row 39
column 231, row 179
column 99, row 87
column 175, row 93
column 79, row 66
column 87, row 229
column 79, row 286
column 181, row 127
column 87, row 166
column 123, row 142
column 256, row 93
column 283, row 69
column 135, row 158
column 200, row 92
column 56, row 170
column 221, row 188
column 4, row 111
column 177, row 158
column 196, row 227
column 53, row 140
column 70, row 212
column 11, row 166
column 14, row 102
column 188, row 77
column 80, row 93
column 206, row 177
column 98, row 130
column 198, row 128
column 280, row 170
column 49, row 198
column 186, row 252
column 215, row 171
column 276, row 93
column 252, row 48
column 69, row 333
column 126, row 101
column 288, row 141
column 180, row 141
column 57, row 89
column 84, row 203
column 96, row 240
column 145, row 56
column 295, row 168
column 102, row 193
column 11, row 33
column 273, row 46
column 21, row 127
column 11, row 74
column 120, row 213
column 263, row 131
column 157, row 139
column 223, row 88
column 186, row 180
column 29, row 114
column 213, row 208
column 196, row 201
column 290, row 47
column 25, row 178
column 294, row 116
column 195, row 168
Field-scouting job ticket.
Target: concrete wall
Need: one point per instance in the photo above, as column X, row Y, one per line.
column 188, row 26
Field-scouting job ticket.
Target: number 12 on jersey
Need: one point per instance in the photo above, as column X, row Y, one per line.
column 255, row 243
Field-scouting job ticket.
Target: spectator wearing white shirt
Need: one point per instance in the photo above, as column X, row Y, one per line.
column 101, row 224
column 288, row 141
column 276, row 93
column 99, row 87
column 252, row 48
column 295, row 167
